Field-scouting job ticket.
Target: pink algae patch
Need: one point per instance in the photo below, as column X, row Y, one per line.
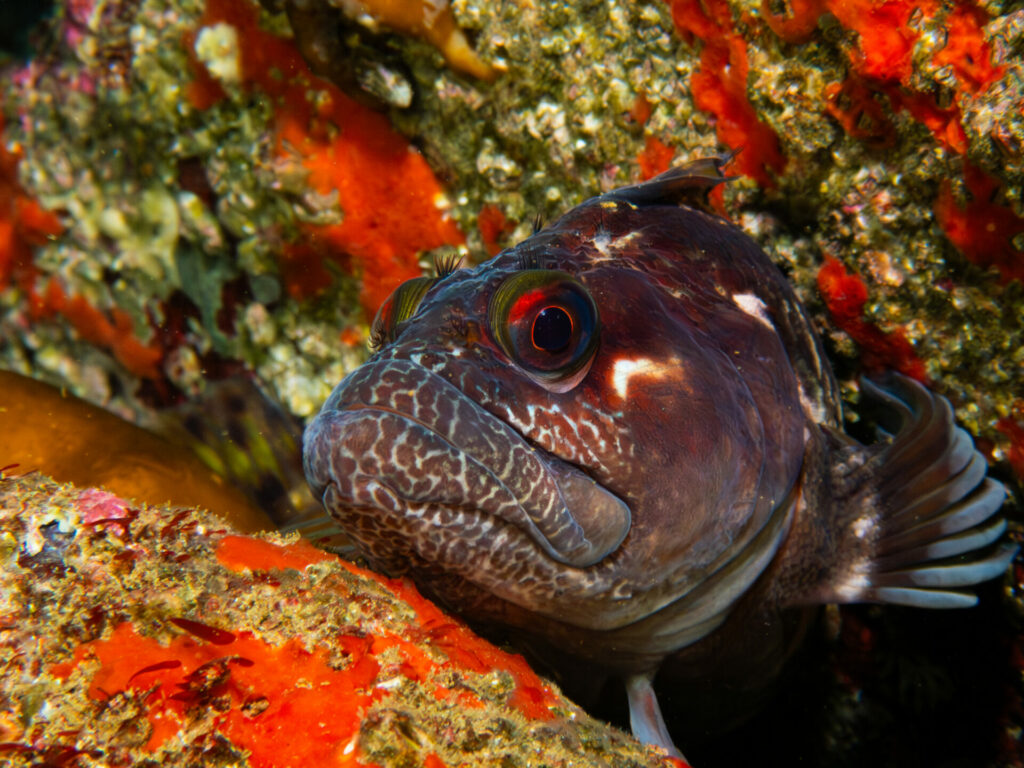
column 101, row 506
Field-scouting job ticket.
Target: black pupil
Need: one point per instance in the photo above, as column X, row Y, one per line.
column 552, row 330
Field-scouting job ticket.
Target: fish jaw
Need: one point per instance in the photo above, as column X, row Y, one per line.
column 403, row 441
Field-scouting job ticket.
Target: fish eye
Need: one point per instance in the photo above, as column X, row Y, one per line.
column 547, row 323
column 399, row 306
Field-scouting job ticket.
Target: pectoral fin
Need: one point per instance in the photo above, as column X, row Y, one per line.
column 645, row 719
column 907, row 522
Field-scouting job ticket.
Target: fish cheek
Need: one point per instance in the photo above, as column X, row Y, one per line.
column 697, row 440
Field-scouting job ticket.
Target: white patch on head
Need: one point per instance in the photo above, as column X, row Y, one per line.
column 753, row 306
column 625, row 369
column 609, row 248
column 625, row 240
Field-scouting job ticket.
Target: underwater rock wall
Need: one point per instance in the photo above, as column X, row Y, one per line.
column 213, row 202
column 183, row 199
column 881, row 163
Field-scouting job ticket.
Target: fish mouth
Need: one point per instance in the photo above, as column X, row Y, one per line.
column 397, row 437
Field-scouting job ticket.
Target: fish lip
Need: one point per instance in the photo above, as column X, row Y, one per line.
column 565, row 513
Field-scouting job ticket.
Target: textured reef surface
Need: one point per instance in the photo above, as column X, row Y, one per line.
column 182, row 198
column 172, row 640
column 194, row 190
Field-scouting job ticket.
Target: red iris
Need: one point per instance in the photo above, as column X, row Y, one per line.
column 547, row 323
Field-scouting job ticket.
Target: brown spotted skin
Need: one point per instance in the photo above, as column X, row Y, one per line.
column 627, row 517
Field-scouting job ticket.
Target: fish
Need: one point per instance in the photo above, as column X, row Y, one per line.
column 621, row 441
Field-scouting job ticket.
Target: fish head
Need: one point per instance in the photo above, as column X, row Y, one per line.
column 569, row 432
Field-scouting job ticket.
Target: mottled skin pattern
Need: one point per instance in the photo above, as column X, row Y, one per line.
column 680, row 486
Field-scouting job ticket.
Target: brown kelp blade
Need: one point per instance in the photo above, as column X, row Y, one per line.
column 62, row 436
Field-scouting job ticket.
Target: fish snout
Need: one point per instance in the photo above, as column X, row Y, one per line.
column 407, row 443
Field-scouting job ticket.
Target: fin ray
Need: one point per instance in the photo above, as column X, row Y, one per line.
column 952, row 575
column 930, row 504
column 920, row 598
column 950, row 546
column 955, row 519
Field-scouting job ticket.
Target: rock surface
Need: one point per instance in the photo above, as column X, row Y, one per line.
column 135, row 635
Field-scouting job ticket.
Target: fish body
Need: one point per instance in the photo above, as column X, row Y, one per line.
column 621, row 440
